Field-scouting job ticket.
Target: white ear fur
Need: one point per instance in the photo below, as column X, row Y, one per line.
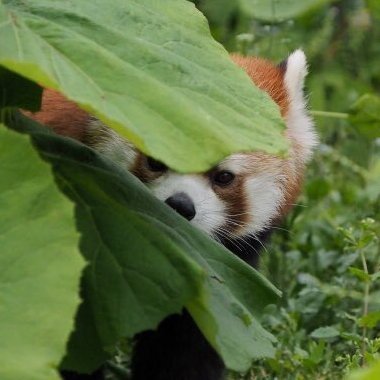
column 299, row 123
column 296, row 71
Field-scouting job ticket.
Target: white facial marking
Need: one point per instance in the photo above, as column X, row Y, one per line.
column 209, row 209
column 264, row 198
column 300, row 125
column 262, row 188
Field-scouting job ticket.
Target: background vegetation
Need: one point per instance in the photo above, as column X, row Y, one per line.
column 327, row 322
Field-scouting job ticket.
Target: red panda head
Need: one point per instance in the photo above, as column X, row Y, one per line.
column 246, row 192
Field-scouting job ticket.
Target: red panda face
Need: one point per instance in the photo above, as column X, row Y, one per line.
column 240, row 196
column 245, row 193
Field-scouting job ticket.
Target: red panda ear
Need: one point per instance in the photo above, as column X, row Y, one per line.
column 300, row 127
column 267, row 76
column 295, row 71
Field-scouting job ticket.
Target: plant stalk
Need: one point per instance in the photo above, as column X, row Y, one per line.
column 365, row 304
column 334, row 115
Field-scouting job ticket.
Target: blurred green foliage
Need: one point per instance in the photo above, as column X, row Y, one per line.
column 326, row 256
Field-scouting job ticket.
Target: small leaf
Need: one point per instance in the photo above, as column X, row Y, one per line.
column 371, row 320
column 360, row 274
column 375, row 276
column 352, row 336
column 317, row 351
column 325, row 333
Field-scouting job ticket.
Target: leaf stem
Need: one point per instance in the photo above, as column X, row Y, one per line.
column 334, row 115
column 365, row 302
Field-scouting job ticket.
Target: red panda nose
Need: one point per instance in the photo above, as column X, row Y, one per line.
column 183, row 204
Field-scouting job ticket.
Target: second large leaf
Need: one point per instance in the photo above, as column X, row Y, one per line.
column 145, row 262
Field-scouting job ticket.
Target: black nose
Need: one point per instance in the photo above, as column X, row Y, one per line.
column 183, row 204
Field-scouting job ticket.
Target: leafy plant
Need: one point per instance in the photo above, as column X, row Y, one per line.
column 326, row 256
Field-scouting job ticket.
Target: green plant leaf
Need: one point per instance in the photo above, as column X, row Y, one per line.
column 85, row 351
column 325, row 332
column 360, row 274
column 278, row 10
column 148, row 69
column 370, row 320
column 40, row 264
column 365, row 115
column 145, row 261
column 375, row 276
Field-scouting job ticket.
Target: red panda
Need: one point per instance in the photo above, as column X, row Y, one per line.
column 236, row 202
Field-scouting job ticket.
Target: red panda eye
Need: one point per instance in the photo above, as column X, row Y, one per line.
column 223, row 178
column 155, row 165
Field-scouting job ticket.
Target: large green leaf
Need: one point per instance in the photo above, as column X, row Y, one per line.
column 278, row 10
column 147, row 68
column 146, row 261
column 40, row 264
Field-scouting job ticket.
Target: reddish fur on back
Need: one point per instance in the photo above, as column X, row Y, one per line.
column 61, row 115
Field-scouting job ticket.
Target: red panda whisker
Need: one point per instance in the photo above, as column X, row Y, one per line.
column 235, row 223
column 261, row 243
column 295, row 204
column 282, row 229
column 228, row 218
column 245, row 241
column 225, row 234
column 234, row 240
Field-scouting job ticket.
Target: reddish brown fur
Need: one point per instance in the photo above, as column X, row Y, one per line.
column 61, row 115
column 140, row 169
column 270, row 78
column 292, row 186
column 236, row 204
column 267, row 77
column 234, row 199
